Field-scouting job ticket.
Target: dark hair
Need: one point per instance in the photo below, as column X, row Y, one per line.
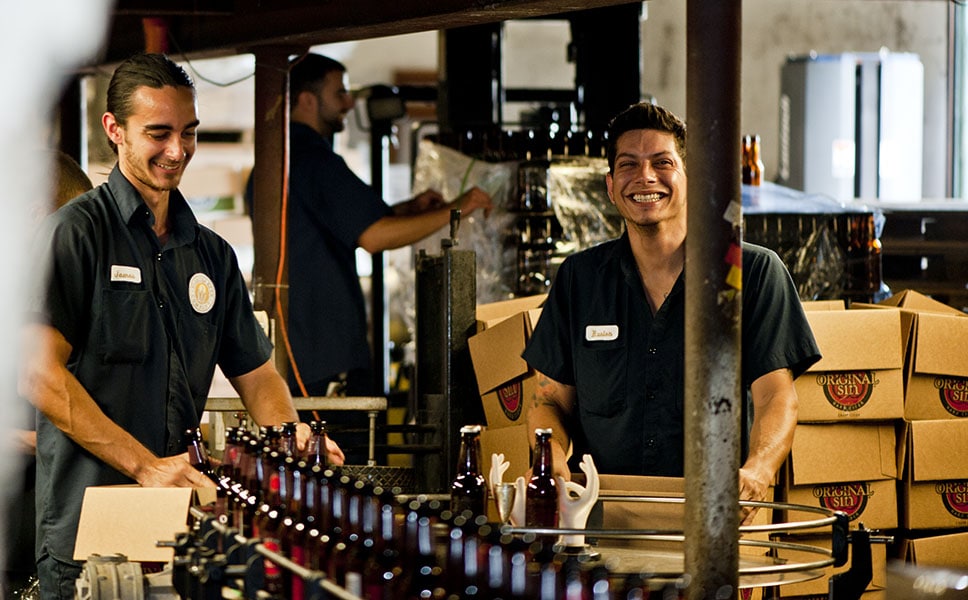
column 644, row 116
column 149, row 70
column 71, row 182
column 307, row 73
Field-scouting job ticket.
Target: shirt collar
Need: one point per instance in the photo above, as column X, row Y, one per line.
column 184, row 225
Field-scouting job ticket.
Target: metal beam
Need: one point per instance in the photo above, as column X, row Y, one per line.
column 713, row 395
column 311, row 22
column 271, row 140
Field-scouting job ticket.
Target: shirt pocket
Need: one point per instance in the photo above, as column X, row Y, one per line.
column 601, row 377
column 123, row 334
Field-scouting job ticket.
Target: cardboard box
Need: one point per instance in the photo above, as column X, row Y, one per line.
column 937, row 382
column 918, row 302
column 616, row 514
column 839, row 452
column 130, row 520
column 819, row 586
column 940, row 551
column 504, row 380
column 492, row 313
column 871, row 503
column 860, row 376
column 935, row 489
column 514, row 443
column 810, row 305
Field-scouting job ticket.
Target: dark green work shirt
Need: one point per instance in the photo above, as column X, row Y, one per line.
column 597, row 333
column 147, row 324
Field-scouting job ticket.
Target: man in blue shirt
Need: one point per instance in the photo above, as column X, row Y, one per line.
column 609, row 346
column 332, row 212
column 138, row 305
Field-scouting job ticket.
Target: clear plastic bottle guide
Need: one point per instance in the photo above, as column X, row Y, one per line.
column 468, row 491
column 541, row 506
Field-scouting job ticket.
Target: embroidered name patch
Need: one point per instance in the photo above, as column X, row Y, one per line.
column 201, row 293
column 123, row 273
column 601, row 333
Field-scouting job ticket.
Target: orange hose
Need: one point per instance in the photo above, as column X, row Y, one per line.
column 280, row 267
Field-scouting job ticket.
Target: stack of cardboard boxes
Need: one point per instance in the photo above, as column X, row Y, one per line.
column 882, row 432
column 934, row 439
column 504, row 380
column 844, row 454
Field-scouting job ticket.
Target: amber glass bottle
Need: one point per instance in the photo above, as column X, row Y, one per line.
column 541, row 507
column 468, row 491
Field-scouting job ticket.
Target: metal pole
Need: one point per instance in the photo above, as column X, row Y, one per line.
column 713, row 398
column 379, row 315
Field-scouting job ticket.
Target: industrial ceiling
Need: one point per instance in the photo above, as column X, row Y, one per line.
column 207, row 28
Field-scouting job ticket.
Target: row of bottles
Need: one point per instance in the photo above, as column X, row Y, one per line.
column 494, row 144
column 377, row 545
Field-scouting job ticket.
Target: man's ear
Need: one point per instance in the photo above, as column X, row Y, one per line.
column 608, row 187
column 112, row 128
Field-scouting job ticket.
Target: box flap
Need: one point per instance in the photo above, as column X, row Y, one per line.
column 857, row 339
column 496, row 352
column 130, row 520
column 809, row 305
column 942, row 345
column 939, row 449
column 492, row 313
column 940, row 551
column 843, row 453
column 917, row 301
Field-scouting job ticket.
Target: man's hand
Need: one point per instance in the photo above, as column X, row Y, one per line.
column 422, row 202
column 473, row 199
column 334, row 455
column 172, row 471
column 752, row 486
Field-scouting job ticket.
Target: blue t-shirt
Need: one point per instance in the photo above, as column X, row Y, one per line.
column 629, row 383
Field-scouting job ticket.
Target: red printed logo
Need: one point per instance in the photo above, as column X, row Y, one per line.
column 511, row 400
column 953, row 393
column 954, row 495
column 848, row 498
column 746, row 593
column 849, row 390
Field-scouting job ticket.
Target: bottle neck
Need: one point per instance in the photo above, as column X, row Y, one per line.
column 542, row 456
column 468, row 462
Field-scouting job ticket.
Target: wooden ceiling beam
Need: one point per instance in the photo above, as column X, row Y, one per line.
column 253, row 23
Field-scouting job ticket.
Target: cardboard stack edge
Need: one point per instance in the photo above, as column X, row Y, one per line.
column 882, row 431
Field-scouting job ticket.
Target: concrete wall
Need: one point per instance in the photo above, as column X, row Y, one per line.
column 774, row 29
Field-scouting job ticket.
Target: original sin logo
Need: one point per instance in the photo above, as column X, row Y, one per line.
column 848, row 390
column 848, row 498
column 954, row 495
column 510, row 397
column 953, row 393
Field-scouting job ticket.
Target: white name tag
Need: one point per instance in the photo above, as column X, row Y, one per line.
column 123, row 273
column 601, row 333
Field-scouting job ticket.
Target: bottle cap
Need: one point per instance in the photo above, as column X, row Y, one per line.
column 470, row 429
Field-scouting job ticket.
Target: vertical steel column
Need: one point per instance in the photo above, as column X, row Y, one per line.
column 713, row 395
column 379, row 315
column 271, row 140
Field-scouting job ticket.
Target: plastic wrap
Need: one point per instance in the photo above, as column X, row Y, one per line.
column 577, row 193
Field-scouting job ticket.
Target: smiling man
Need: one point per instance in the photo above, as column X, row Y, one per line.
column 609, row 347
column 138, row 304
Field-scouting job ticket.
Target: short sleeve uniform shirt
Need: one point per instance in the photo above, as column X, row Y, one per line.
column 597, row 333
column 147, row 325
